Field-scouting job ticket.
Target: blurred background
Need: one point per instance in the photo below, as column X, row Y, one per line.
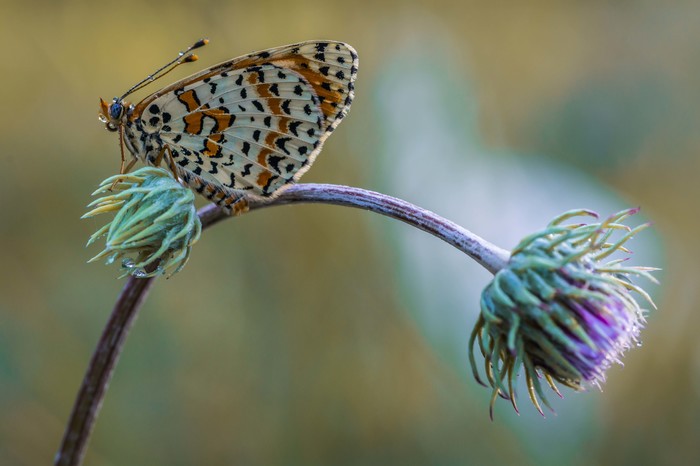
column 343, row 341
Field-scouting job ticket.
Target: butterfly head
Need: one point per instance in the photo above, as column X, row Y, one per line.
column 113, row 115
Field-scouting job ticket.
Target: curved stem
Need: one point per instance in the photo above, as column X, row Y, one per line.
column 106, row 355
column 89, row 400
column 487, row 254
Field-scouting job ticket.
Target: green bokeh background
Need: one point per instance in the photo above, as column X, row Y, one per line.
column 314, row 335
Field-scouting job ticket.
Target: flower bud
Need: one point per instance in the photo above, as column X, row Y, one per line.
column 559, row 310
column 155, row 224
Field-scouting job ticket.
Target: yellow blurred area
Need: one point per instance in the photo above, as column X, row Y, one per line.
column 291, row 337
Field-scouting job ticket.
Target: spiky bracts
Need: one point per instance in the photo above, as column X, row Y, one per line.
column 155, row 224
column 559, row 310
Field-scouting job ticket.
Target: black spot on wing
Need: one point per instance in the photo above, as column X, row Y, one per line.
column 269, row 183
column 280, row 142
column 285, row 107
column 293, row 127
column 274, row 161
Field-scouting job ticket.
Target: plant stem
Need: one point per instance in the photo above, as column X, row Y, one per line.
column 488, row 255
column 106, row 355
column 92, row 391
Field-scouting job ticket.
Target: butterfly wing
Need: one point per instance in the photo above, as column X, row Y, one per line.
column 255, row 123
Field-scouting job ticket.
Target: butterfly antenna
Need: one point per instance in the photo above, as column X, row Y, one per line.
column 182, row 57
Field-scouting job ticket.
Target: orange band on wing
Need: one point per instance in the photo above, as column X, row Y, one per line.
column 262, row 156
column 222, row 119
column 211, row 145
column 189, row 98
column 264, row 178
column 195, row 120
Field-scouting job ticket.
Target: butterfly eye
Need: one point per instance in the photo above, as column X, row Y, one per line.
column 116, row 110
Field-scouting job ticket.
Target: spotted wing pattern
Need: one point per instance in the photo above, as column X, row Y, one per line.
column 255, row 123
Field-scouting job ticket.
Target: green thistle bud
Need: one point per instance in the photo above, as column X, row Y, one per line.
column 155, row 224
column 558, row 310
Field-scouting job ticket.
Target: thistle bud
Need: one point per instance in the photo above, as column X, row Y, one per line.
column 155, row 224
column 559, row 309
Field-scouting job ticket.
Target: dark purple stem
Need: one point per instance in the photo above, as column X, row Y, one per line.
column 101, row 367
column 89, row 400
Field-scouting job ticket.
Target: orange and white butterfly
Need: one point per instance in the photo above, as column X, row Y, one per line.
column 251, row 125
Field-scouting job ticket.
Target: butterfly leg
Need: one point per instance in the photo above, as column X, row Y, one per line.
column 171, row 161
column 131, row 164
column 159, row 158
column 121, row 149
column 122, row 168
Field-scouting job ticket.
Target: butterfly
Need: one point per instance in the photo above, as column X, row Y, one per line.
column 248, row 126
